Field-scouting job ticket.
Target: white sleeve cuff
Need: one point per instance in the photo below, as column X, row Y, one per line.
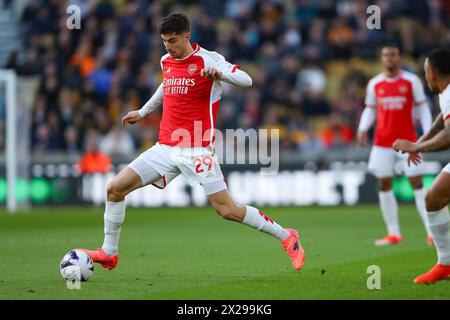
column 142, row 113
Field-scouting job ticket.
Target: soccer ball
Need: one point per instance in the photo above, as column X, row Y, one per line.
column 76, row 266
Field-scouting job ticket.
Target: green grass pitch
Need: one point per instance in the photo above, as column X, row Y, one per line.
column 190, row 253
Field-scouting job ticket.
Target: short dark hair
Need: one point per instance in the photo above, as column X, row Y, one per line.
column 175, row 23
column 439, row 60
column 392, row 44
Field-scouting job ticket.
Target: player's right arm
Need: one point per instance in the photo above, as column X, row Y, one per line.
column 436, row 127
column 369, row 114
column 437, row 138
column 441, row 141
column 155, row 101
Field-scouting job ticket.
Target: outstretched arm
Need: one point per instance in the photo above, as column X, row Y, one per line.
column 434, row 140
column 438, row 142
column 237, row 77
column 217, row 68
column 155, row 101
column 436, row 127
column 234, row 76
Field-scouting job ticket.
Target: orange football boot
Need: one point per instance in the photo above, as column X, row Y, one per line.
column 438, row 272
column 99, row 256
column 293, row 247
column 430, row 240
column 389, row 239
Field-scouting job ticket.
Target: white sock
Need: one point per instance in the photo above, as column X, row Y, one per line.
column 419, row 197
column 389, row 209
column 256, row 219
column 438, row 222
column 114, row 217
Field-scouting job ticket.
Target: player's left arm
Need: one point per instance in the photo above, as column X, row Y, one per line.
column 237, row 77
column 423, row 114
column 227, row 72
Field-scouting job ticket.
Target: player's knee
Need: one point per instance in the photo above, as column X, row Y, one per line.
column 114, row 191
column 433, row 202
column 416, row 184
column 385, row 185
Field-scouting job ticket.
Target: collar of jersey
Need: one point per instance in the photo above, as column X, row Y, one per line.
column 398, row 76
column 195, row 46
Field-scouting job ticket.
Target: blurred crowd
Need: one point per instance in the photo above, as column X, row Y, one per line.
column 310, row 61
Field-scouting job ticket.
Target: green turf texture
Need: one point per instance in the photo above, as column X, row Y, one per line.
column 190, row 253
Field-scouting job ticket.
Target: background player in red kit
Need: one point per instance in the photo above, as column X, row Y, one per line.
column 190, row 97
column 396, row 99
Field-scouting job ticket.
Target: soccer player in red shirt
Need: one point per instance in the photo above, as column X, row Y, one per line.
column 437, row 73
column 396, row 98
column 190, row 97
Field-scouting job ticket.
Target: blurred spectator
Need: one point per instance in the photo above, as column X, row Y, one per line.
column 310, row 143
column 93, row 161
column 302, row 55
column 340, row 38
column 311, row 79
column 117, row 142
column 315, row 104
column 42, row 142
column 338, row 134
column 71, row 141
column 101, row 78
column 32, row 64
column 83, row 58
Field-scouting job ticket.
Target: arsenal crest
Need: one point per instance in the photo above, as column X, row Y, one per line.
column 403, row 89
column 192, row 68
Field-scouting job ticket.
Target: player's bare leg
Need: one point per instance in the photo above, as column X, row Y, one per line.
column 419, row 197
column 126, row 181
column 436, row 201
column 229, row 210
column 389, row 210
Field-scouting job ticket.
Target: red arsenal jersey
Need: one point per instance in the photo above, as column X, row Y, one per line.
column 190, row 101
column 394, row 99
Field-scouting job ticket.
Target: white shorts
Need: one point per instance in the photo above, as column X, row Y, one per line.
column 382, row 163
column 447, row 168
column 197, row 164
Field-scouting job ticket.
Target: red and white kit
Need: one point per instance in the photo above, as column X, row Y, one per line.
column 444, row 103
column 190, row 105
column 396, row 103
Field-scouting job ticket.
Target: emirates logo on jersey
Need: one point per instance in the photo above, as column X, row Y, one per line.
column 393, row 102
column 192, row 68
column 178, row 85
